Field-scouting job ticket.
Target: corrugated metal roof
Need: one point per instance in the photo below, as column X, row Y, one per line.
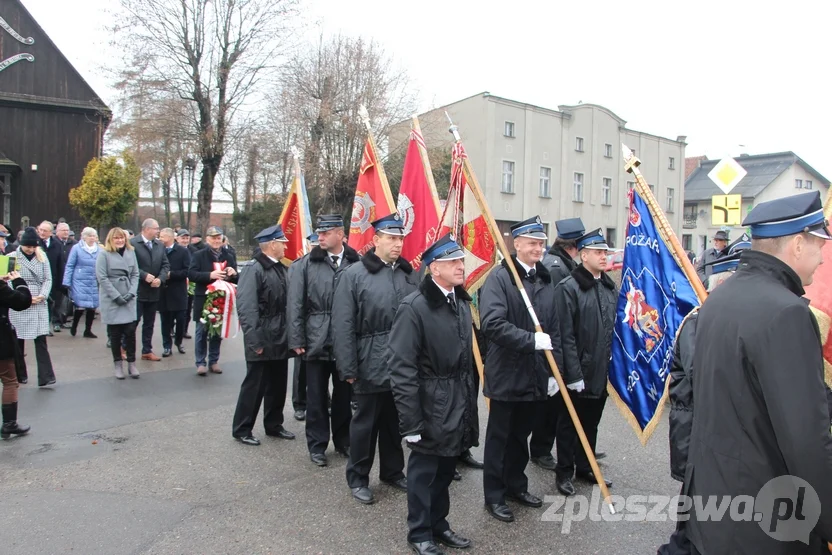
column 762, row 170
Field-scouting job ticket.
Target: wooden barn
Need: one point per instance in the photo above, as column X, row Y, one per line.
column 51, row 123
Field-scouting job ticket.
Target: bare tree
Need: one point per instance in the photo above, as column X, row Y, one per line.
column 211, row 53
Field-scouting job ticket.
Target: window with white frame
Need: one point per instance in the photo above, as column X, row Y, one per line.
column 508, row 177
column 606, row 191
column 670, row 200
column 579, row 144
column 672, row 164
column 578, row 188
column 652, row 189
column 508, row 130
column 607, row 150
column 545, row 182
column 798, row 183
column 808, row 184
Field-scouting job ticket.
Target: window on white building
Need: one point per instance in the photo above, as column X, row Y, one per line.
column 579, row 144
column 508, row 131
column 606, row 191
column 545, row 182
column 578, row 188
column 508, row 177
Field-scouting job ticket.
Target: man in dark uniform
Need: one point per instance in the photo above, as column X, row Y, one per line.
column 153, row 273
column 311, row 289
column 586, row 303
column 299, row 374
column 703, row 264
column 560, row 261
column 183, row 238
column 173, row 300
column 261, row 307
column 54, row 250
column 761, row 406
column 62, row 232
column 430, row 354
column 366, row 300
column 517, row 372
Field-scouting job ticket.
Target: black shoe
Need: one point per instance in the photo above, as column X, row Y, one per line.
column 451, row 539
column 73, row 331
column 500, row 511
column 56, row 329
column 457, row 475
column 300, row 415
column 546, row 462
column 166, row 353
column 24, row 381
column 363, row 495
column 181, row 349
column 425, row 548
column 188, row 336
column 468, row 460
column 47, row 384
column 600, row 455
column 566, row 487
column 343, row 451
column 525, row 498
column 318, row 458
column 13, row 428
column 589, row 477
column 400, row 484
column 282, row 433
column 249, row 440
column 90, row 335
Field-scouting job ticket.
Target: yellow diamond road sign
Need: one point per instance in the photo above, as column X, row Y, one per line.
column 726, row 174
column 726, row 210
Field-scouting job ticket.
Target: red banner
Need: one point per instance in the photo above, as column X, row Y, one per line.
column 416, row 205
column 373, row 200
column 820, row 293
column 291, row 221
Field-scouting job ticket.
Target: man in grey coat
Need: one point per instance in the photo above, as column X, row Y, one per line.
column 261, row 309
column 153, row 273
column 366, row 299
column 703, row 267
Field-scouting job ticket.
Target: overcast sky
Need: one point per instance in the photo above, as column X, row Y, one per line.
column 725, row 73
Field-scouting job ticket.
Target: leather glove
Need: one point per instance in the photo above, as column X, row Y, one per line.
column 553, row 387
column 542, row 341
column 120, row 301
column 413, row 439
column 577, row 386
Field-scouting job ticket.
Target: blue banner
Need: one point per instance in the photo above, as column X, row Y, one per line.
column 655, row 297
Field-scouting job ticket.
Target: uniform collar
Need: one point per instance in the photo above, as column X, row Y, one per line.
column 762, row 263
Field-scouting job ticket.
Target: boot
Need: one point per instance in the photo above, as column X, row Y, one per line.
column 10, row 425
column 132, row 370
column 119, row 369
column 88, row 325
column 76, row 317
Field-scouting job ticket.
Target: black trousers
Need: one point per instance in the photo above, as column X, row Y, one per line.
column 545, row 427
column 169, row 319
column 571, row 455
column 58, row 316
column 45, row 371
column 299, row 385
column 147, row 311
column 375, row 419
column 318, row 422
column 679, row 543
column 265, row 383
column 507, row 449
column 428, row 499
column 123, row 335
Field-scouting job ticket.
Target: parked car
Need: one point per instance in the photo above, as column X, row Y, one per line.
column 615, row 259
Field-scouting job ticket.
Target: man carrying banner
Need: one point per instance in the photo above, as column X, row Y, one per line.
column 560, row 261
column 586, row 303
column 761, row 406
column 517, row 374
column 311, row 290
column 431, row 374
column 366, row 299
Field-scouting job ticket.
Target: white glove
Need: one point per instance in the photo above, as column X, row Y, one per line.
column 542, row 341
column 577, row 386
column 553, row 387
column 413, row 439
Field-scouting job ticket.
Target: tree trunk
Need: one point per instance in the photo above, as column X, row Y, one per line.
column 205, row 195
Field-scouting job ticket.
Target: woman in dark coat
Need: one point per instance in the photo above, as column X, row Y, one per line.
column 15, row 297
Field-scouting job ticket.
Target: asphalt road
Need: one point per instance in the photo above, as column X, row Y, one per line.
column 149, row 466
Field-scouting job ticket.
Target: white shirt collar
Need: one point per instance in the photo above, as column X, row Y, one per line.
column 272, row 259
column 445, row 292
column 525, row 267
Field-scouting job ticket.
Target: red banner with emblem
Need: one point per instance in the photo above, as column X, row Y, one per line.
column 820, row 294
column 417, row 204
column 293, row 223
column 373, row 200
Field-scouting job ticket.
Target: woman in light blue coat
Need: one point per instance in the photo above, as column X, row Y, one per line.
column 80, row 279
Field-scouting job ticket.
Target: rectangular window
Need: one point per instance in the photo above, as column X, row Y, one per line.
column 508, row 177
column 508, row 130
column 687, row 242
column 672, row 165
column 579, row 144
column 578, row 188
column 808, row 184
column 670, row 201
column 611, row 237
column 798, row 183
column 606, row 191
column 545, row 182
column 607, row 150
column 652, row 189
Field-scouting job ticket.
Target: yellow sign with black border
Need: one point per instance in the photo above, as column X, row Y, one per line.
column 726, row 210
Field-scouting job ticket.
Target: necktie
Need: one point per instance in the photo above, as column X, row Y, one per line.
column 451, row 300
column 334, row 260
column 149, row 245
column 531, row 274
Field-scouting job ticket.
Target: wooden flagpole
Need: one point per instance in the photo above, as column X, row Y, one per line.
column 388, row 195
column 495, row 232
column 631, row 164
